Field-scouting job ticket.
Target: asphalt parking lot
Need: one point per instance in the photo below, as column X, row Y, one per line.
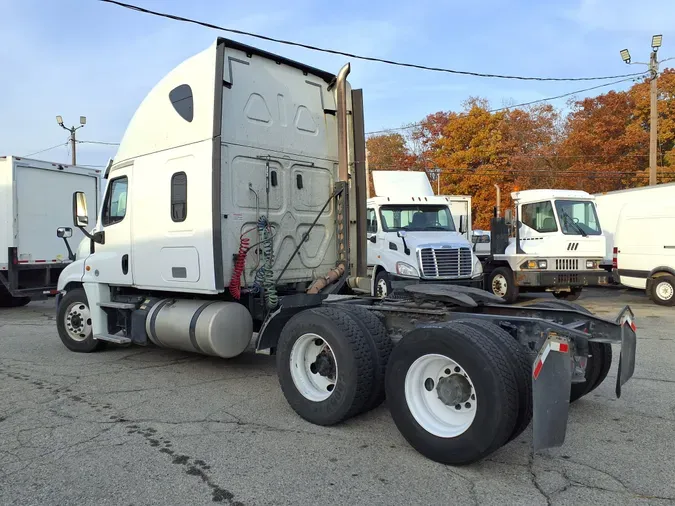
column 135, row 426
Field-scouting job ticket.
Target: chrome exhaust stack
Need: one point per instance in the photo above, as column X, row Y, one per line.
column 343, row 141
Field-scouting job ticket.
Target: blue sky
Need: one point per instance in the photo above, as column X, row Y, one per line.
column 84, row 57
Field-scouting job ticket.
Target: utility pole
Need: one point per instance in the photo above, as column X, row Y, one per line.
column 653, row 66
column 72, row 130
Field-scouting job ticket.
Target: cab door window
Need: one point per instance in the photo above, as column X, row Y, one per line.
column 115, row 208
column 371, row 222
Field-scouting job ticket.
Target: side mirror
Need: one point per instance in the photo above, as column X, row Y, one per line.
column 64, row 232
column 372, row 239
column 401, row 234
column 462, row 225
column 508, row 217
column 80, row 214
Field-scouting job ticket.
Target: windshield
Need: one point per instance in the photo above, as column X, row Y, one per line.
column 578, row 217
column 416, row 218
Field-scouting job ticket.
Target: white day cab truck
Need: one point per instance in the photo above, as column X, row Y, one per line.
column 235, row 216
column 413, row 236
column 640, row 227
column 35, row 199
column 555, row 244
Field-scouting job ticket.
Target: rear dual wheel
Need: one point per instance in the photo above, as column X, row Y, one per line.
column 454, row 392
column 331, row 363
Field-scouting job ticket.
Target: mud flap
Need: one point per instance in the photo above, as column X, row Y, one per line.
column 551, row 384
column 628, row 346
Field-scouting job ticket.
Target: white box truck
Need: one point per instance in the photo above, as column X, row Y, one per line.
column 234, row 214
column 609, row 205
column 414, row 236
column 644, row 249
column 35, row 200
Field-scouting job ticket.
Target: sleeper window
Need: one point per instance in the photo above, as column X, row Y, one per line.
column 116, row 202
column 179, row 196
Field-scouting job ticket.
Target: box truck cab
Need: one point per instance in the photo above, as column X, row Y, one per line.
column 644, row 250
column 558, row 246
column 413, row 238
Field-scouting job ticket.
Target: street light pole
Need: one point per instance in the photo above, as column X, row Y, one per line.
column 653, row 102
column 72, row 130
column 653, row 117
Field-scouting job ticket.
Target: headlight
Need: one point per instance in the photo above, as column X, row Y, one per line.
column 477, row 267
column 405, row 269
column 591, row 264
column 534, row 264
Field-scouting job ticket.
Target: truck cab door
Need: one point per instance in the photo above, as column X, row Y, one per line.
column 373, row 244
column 111, row 261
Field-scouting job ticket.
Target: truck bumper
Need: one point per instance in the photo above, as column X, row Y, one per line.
column 400, row 283
column 563, row 279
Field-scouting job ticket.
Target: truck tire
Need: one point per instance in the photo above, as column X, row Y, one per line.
column 573, row 294
column 662, row 290
column 325, row 366
column 382, row 285
column 6, row 299
column 523, row 369
column 381, row 346
column 599, row 361
column 502, row 283
column 73, row 322
column 483, row 385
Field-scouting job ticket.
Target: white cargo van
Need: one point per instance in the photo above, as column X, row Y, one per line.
column 609, row 206
column 644, row 250
column 413, row 238
column 35, row 200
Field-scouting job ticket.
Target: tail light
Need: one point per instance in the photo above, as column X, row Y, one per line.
column 615, row 260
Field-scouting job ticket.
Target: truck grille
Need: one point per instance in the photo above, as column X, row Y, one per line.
column 446, row 262
column 566, row 264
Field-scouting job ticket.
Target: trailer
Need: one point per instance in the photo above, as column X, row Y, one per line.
column 34, row 202
column 235, row 215
column 609, row 205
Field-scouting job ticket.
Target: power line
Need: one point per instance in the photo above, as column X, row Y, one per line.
column 355, row 56
column 419, row 123
column 100, row 142
column 46, row 149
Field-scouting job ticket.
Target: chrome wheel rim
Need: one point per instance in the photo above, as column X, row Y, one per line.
column 78, row 321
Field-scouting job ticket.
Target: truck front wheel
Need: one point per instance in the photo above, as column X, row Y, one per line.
column 73, row 323
column 382, row 285
column 502, row 283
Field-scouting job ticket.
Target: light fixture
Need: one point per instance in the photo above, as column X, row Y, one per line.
column 656, row 41
column 83, row 120
column 59, row 120
column 625, row 55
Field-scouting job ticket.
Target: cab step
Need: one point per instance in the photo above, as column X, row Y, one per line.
column 117, row 305
column 112, row 338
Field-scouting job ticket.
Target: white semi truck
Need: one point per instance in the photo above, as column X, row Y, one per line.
column 35, row 200
column 555, row 244
column 235, row 211
column 414, row 237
